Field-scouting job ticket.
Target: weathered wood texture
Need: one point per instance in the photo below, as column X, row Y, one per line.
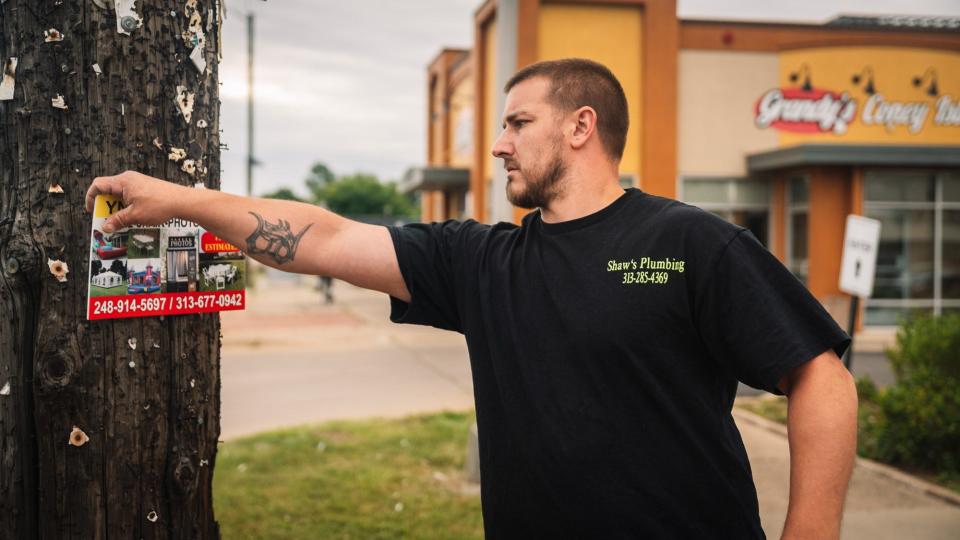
column 151, row 411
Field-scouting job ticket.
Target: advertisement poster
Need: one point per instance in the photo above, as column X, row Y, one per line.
column 172, row 269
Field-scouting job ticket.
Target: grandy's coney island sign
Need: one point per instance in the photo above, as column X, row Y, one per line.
column 820, row 110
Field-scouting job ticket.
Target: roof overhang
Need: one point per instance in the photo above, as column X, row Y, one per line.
column 855, row 154
column 435, row 179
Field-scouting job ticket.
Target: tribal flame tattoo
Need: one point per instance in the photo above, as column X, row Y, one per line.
column 274, row 239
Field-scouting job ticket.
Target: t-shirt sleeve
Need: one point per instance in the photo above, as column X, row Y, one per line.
column 758, row 320
column 434, row 259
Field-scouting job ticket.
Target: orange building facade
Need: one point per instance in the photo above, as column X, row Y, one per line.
column 784, row 129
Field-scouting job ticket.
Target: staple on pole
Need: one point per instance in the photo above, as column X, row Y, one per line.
column 59, row 269
column 78, row 437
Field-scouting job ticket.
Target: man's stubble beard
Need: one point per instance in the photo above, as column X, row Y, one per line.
column 540, row 191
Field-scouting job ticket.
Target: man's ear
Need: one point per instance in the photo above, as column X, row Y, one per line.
column 585, row 126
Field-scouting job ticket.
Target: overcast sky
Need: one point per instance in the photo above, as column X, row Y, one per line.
column 344, row 81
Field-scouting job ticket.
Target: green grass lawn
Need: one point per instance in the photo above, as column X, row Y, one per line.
column 773, row 407
column 119, row 290
column 371, row 479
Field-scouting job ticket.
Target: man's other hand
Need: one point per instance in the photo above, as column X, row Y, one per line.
column 146, row 200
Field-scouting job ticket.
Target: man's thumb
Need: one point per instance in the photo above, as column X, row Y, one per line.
column 120, row 220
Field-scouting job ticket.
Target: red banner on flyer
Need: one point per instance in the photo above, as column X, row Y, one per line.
column 118, row 307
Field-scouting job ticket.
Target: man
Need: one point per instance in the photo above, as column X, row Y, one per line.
column 606, row 334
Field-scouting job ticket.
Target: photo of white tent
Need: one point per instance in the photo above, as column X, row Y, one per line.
column 106, row 279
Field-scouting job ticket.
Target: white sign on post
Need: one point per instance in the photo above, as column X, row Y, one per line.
column 860, row 243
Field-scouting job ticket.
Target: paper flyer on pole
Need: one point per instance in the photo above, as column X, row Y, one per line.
column 172, row 269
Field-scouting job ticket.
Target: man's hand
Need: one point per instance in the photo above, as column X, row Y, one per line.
column 146, row 200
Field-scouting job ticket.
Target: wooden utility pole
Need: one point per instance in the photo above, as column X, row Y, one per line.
column 107, row 428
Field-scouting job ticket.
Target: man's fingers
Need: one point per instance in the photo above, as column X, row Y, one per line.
column 120, row 220
column 102, row 185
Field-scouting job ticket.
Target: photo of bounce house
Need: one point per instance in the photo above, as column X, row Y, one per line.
column 108, row 247
column 146, row 281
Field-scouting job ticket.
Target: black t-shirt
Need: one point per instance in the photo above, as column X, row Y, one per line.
column 605, row 354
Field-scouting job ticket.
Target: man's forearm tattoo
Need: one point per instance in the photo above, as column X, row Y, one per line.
column 274, row 239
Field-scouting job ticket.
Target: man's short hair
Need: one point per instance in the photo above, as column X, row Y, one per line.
column 577, row 82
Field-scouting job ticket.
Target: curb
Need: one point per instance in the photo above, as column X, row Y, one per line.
column 907, row 480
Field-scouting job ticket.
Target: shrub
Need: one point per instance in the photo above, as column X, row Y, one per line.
column 917, row 422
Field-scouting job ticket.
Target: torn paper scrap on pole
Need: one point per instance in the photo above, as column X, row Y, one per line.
column 127, row 18
column 185, row 102
column 176, row 154
column 52, row 35
column 194, row 36
column 197, row 58
column 58, row 102
column 8, row 82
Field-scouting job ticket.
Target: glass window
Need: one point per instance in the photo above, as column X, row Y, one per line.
column 950, row 274
column 905, row 256
column 891, row 315
column 899, row 187
column 951, row 187
column 741, row 202
column 797, row 212
column 798, row 245
column 800, row 190
column 918, row 263
column 751, row 192
column 705, row 191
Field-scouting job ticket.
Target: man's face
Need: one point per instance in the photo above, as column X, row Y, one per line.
column 531, row 145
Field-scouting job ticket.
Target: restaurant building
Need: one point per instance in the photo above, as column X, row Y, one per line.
column 782, row 128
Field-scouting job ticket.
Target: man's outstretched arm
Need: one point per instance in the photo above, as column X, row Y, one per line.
column 822, row 430
column 291, row 236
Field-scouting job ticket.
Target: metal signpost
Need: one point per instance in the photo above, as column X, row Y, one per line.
column 857, row 267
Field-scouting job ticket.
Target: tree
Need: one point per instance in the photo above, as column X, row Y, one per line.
column 94, row 94
column 364, row 195
column 117, row 267
column 283, row 193
column 354, row 195
column 319, row 178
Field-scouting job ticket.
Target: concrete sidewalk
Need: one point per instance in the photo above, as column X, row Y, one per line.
column 290, row 360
